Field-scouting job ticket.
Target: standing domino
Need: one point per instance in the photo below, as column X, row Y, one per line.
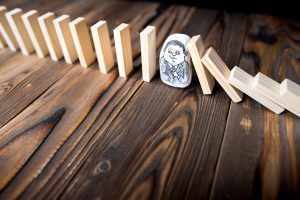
column 123, row 49
column 82, row 41
column 148, row 52
column 14, row 18
column 174, row 62
column 103, row 47
column 6, row 31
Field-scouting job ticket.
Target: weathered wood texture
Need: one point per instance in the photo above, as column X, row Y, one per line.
column 72, row 133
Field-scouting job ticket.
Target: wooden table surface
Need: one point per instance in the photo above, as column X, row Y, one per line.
column 74, row 133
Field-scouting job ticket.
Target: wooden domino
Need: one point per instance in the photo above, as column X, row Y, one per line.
column 220, row 72
column 244, row 82
column 30, row 20
column 148, row 52
column 6, row 31
column 82, row 40
column 102, row 46
column 14, row 18
column 290, row 92
column 272, row 90
column 61, row 25
column 196, row 49
column 2, row 41
column 123, row 49
column 48, row 30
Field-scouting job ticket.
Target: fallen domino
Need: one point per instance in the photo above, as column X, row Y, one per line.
column 244, row 82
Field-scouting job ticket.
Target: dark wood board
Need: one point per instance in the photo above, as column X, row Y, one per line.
column 72, row 133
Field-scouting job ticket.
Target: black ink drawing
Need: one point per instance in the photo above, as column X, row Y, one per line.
column 175, row 67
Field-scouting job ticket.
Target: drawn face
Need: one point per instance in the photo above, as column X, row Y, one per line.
column 174, row 55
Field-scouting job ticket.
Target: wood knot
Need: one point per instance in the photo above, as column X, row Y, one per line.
column 102, row 167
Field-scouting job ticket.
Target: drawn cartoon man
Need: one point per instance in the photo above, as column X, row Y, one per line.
column 173, row 64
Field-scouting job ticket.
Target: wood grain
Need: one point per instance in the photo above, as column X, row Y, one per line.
column 65, row 130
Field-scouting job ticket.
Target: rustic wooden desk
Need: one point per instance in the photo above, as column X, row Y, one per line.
column 73, row 133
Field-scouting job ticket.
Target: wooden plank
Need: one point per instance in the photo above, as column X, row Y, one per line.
column 103, row 46
column 196, row 49
column 56, row 96
column 25, row 80
column 245, row 83
column 30, row 20
column 271, row 89
column 6, row 31
column 82, row 40
column 148, row 52
column 14, row 18
column 221, row 72
column 48, row 30
column 123, row 49
column 64, row 35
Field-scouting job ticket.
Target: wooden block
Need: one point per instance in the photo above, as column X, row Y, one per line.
column 103, row 46
column 196, row 49
column 82, row 41
column 6, row 31
column 271, row 89
column 2, row 41
column 220, row 72
column 148, row 52
column 30, row 20
column 14, row 18
column 123, row 49
column 290, row 92
column 48, row 30
column 244, row 82
column 64, row 35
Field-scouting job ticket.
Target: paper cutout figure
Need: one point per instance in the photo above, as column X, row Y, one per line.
column 175, row 65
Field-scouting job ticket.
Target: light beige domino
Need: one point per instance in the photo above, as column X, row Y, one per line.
column 196, row 49
column 290, row 92
column 2, row 41
column 271, row 89
column 148, row 52
column 123, row 49
column 64, row 35
column 14, row 18
column 220, row 72
column 82, row 41
column 244, row 82
column 6, row 31
column 30, row 20
column 103, row 46
column 48, row 30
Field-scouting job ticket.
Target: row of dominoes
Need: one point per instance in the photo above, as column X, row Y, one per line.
column 266, row 91
column 61, row 37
